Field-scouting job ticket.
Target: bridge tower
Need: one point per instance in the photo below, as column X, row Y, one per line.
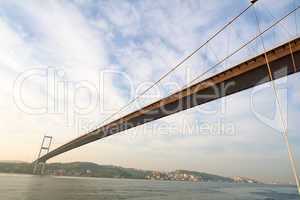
column 39, row 167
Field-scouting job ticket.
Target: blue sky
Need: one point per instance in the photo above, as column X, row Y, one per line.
column 130, row 44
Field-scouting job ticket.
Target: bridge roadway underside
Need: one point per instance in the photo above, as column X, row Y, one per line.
column 240, row 77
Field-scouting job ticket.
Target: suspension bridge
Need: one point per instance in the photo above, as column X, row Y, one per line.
column 278, row 62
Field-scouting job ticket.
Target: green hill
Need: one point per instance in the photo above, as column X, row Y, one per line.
column 87, row 169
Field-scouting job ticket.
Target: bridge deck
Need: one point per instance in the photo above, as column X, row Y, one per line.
column 240, row 77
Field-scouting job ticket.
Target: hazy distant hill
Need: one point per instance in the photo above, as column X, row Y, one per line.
column 76, row 169
column 11, row 161
column 16, row 167
column 94, row 170
column 88, row 169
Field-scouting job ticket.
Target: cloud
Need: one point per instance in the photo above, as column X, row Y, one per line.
column 140, row 40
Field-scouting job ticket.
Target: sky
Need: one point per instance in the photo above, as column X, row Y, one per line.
column 65, row 66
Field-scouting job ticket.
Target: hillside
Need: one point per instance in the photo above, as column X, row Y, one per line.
column 87, row 169
column 206, row 176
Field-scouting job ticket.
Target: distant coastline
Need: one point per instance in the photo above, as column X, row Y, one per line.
column 88, row 169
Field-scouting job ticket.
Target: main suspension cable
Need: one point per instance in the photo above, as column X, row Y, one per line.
column 289, row 35
column 283, row 122
column 296, row 24
column 243, row 46
column 179, row 64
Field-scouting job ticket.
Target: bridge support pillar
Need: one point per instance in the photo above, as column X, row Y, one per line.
column 40, row 166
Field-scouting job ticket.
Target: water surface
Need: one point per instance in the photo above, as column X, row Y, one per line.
column 25, row 187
